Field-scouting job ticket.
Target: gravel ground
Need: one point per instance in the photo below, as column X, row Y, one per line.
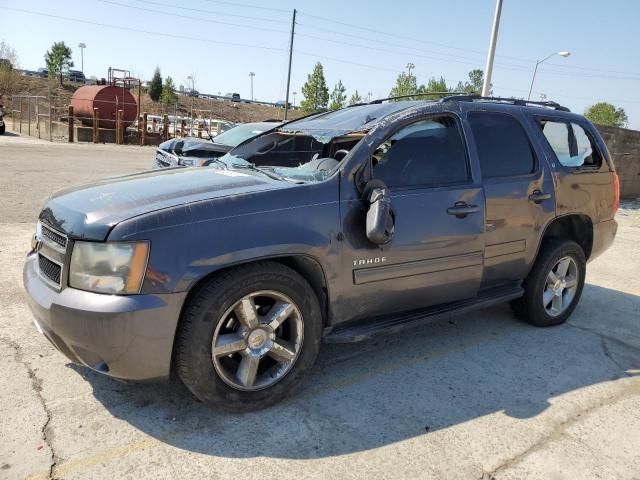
column 482, row 396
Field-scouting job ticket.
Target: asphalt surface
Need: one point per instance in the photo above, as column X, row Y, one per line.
column 481, row 396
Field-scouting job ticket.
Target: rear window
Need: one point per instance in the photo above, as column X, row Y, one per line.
column 503, row 147
column 571, row 144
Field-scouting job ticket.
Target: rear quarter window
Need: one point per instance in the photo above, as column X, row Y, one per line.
column 572, row 145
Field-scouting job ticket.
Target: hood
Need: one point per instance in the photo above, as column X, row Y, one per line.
column 203, row 149
column 91, row 211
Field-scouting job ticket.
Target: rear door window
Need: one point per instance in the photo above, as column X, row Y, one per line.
column 503, row 147
column 571, row 144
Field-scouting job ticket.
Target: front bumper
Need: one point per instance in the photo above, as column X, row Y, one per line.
column 129, row 337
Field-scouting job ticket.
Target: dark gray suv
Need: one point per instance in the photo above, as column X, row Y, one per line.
column 334, row 227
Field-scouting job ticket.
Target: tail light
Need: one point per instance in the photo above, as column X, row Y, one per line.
column 616, row 193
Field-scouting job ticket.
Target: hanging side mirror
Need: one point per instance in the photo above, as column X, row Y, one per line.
column 380, row 216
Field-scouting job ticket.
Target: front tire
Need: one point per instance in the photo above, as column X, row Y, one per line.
column 248, row 337
column 554, row 285
column 2, row 128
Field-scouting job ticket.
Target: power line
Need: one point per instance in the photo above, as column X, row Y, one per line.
column 136, row 30
column 404, row 37
column 378, row 49
column 214, row 12
column 198, row 19
column 443, row 45
column 369, row 39
column 244, row 5
column 472, row 62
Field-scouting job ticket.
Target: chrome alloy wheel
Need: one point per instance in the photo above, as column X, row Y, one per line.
column 561, row 286
column 257, row 340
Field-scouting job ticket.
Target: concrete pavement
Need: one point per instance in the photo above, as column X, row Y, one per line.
column 480, row 396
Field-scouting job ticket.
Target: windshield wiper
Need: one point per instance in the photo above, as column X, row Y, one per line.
column 263, row 170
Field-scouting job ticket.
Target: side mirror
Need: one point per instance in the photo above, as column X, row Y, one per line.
column 380, row 218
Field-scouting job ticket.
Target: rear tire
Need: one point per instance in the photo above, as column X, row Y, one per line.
column 554, row 285
column 248, row 337
column 2, row 129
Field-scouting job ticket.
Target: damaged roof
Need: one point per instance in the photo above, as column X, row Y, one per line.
column 326, row 126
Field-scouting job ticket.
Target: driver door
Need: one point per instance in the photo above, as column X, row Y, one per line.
column 435, row 255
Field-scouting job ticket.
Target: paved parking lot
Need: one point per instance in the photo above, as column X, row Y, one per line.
column 482, row 396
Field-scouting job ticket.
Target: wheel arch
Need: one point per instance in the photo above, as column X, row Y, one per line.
column 574, row 226
column 307, row 266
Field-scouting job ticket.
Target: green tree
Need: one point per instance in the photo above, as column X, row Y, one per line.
column 315, row 91
column 338, row 97
column 355, row 98
column 168, row 94
column 58, row 60
column 604, row 113
column 474, row 83
column 155, row 86
column 438, row 85
column 405, row 85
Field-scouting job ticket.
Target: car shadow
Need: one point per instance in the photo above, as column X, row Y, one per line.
column 368, row 395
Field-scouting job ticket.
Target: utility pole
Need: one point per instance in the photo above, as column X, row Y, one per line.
column 251, row 75
column 82, row 46
column 286, row 100
column 492, row 50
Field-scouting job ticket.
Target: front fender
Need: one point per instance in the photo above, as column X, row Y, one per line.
column 192, row 241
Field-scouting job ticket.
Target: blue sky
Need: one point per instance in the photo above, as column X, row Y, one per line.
column 223, row 41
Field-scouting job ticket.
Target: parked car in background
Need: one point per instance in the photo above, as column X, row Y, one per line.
column 235, row 97
column 282, row 103
column 196, row 152
column 43, row 73
column 76, row 76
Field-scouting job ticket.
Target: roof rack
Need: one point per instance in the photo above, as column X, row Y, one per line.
column 412, row 95
column 512, row 101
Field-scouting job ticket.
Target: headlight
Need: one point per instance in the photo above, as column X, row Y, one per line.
column 111, row 267
column 192, row 162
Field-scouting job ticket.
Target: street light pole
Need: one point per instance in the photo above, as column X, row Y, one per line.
column 538, row 62
column 193, row 87
column 82, row 46
column 486, row 86
column 410, row 66
column 294, row 98
column 251, row 75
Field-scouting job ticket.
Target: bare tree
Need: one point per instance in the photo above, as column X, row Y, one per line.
column 9, row 76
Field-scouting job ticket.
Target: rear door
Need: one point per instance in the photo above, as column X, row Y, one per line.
column 435, row 255
column 519, row 193
column 585, row 182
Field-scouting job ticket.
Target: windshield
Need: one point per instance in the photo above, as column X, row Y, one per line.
column 298, row 157
column 239, row 134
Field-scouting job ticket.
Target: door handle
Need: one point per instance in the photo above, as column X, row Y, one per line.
column 461, row 209
column 538, row 196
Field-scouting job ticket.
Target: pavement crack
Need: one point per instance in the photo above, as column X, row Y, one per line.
column 606, row 350
column 558, row 430
column 36, row 385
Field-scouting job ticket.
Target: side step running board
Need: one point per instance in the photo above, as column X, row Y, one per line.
column 366, row 329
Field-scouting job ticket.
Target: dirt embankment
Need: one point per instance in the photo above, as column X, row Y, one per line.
column 206, row 108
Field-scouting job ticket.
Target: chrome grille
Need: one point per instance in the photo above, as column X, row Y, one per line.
column 56, row 237
column 49, row 270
